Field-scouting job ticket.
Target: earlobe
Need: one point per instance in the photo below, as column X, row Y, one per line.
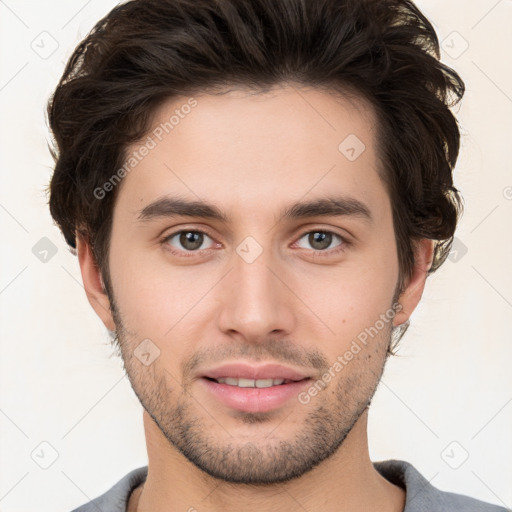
column 411, row 295
column 93, row 282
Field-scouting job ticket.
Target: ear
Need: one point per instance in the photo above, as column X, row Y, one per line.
column 93, row 283
column 411, row 295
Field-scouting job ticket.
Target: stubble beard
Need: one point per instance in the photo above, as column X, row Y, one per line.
column 263, row 460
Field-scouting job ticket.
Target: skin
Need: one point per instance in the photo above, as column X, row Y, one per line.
column 251, row 155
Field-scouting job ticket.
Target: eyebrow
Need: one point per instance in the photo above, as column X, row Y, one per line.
column 168, row 207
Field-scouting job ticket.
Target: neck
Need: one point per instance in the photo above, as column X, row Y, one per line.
column 345, row 481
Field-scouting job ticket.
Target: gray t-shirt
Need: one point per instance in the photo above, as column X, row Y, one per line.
column 421, row 496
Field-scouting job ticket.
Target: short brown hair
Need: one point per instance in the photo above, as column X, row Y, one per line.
column 147, row 51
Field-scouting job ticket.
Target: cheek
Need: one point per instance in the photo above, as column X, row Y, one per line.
column 349, row 299
column 156, row 299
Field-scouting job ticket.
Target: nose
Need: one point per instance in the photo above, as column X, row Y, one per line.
column 256, row 301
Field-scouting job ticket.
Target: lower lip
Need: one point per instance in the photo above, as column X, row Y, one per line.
column 254, row 399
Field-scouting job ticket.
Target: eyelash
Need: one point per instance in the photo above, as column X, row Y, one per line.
column 322, row 253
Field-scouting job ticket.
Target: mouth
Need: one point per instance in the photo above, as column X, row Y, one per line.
column 241, row 382
column 243, row 387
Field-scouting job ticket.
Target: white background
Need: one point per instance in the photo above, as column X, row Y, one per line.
column 450, row 387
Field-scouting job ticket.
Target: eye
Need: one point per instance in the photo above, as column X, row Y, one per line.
column 187, row 240
column 321, row 240
column 193, row 241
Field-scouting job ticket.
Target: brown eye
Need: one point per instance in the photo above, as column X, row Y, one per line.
column 187, row 240
column 320, row 240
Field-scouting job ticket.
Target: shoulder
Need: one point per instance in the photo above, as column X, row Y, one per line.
column 116, row 498
column 422, row 496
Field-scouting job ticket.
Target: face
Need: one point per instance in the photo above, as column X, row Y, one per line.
column 231, row 313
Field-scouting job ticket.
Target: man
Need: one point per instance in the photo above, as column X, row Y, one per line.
column 257, row 191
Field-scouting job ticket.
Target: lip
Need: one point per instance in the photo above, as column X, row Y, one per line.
column 254, row 399
column 246, row 371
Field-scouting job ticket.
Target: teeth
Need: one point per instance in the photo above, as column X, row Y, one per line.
column 250, row 383
column 264, row 383
column 246, row 383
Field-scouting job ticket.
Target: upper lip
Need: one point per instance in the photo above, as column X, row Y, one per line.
column 247, row 371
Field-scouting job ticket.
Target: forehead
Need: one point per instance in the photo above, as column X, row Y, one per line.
column 256, row 149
